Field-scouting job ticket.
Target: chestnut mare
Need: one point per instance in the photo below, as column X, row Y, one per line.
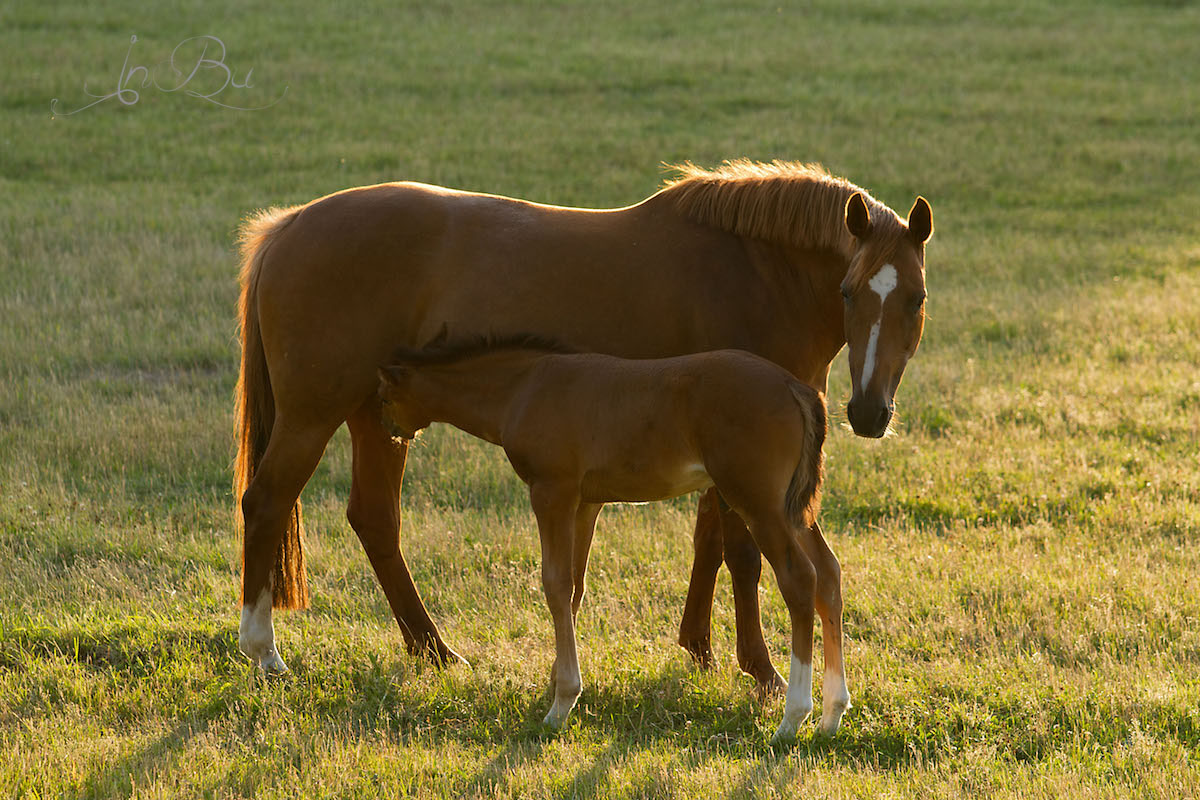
column 587, row 429
column 782, row 260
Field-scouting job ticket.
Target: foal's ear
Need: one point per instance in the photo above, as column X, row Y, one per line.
column 858, row 218
column 920, row 221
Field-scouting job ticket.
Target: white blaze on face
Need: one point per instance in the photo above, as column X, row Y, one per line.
column 882, row 284
column 256, row 634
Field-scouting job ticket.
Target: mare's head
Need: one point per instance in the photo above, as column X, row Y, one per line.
column 884, row 293
column 401, row 418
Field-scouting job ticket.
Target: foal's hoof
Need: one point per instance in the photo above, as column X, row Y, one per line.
column 556, row 718
column 831, row 719
column 785, row 734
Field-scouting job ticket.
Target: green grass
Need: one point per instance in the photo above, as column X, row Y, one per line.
column 1020, row 561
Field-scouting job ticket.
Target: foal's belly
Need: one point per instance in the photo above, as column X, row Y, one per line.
column 641, row 485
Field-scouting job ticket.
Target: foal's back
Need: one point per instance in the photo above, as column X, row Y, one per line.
column 641, row 430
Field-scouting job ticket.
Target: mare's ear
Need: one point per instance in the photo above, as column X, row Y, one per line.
column 858, row 218
column 920, row 221
column 391, row 376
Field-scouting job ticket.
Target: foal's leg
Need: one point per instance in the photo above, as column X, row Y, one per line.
column 835, row 695
column 374, row 513
column 695, row 629
column 556, row 509
column 585, row 528
column 797, row 580
column 288, row 463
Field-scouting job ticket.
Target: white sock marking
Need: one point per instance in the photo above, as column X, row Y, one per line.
column 882, row 284
column 799, row 692
column 835, row 698
column 799, row 703
column 256, row 634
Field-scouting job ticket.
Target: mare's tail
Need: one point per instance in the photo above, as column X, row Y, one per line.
column 804, row 492
column 255, row 410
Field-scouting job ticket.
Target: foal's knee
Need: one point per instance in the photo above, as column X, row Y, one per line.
column 829, row 583
column 577, row 599
column 558, row 584
column 802, row 576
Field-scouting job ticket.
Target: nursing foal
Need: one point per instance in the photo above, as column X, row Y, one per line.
column 584, row 429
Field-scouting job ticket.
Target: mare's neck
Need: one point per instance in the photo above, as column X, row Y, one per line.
column 807, row 326
column 474, row 393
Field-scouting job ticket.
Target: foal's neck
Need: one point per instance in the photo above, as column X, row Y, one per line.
column 473, row 393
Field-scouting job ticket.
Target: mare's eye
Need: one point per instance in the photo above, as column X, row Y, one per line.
column 846, row 293
column 917, row 302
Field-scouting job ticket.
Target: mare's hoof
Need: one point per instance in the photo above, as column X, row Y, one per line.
column 273, row 665
column 449, row 658
column 437, row 654
column 770, row 686
column 700, row 650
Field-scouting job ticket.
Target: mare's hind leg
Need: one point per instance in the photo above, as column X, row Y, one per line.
column 835, row 696
column 721, row 535
column 288, row 463
column 374, row 513
column 744, row 559
column 695, row 629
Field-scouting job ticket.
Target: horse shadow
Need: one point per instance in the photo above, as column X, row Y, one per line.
column 635, row 714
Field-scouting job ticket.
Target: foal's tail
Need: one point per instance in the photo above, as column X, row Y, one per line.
column 804, row 492
column 255, row 410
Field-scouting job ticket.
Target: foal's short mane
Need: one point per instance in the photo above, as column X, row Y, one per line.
column 447, row 352
column 783, row 201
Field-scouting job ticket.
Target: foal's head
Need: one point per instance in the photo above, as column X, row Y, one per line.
column 884, row 293
column 401, row 417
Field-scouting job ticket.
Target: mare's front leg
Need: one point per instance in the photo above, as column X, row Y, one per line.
column 695, row 629
column 374, row 513
column 556, row 508
column 745, row 568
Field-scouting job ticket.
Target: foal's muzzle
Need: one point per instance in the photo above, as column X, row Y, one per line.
column 869, row 418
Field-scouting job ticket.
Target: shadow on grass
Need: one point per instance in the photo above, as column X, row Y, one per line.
column 676, row 716
column 133, row 647
column 119, row 776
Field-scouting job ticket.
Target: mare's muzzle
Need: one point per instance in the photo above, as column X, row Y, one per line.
column 869, row 417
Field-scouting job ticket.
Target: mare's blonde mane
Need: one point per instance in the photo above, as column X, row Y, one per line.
column 784, row 202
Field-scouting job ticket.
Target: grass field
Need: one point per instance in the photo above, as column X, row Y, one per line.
column 1020, row 562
